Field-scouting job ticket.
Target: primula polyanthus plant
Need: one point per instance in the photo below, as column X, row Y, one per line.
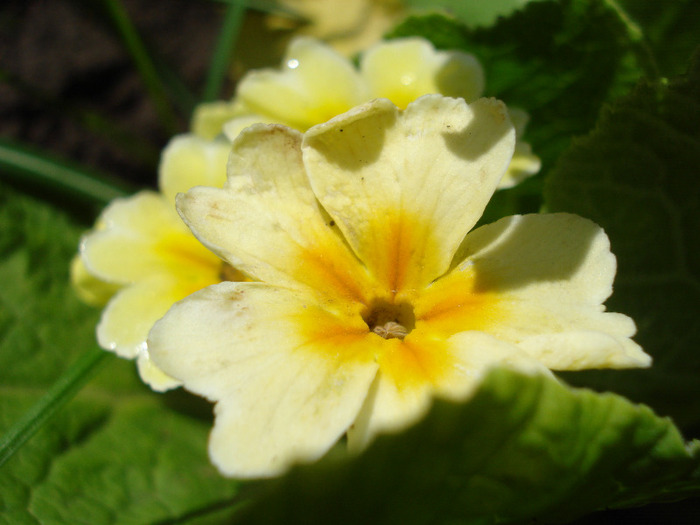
column 316, row 83
column 369, row 294
column 140, row 258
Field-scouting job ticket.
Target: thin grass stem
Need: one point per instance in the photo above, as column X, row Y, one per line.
column 56, row 397
column 144, row 64
column 29, row 167
column 224, row 49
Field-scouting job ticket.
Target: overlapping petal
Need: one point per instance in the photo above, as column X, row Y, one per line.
column 426, row 365
column 315, row 84
column 539, row 282
column 405, row 188
column 188, row 161
column 89, row 288
column 405, row 69
column 149, row 260
column 270, row 225
column 144, row 237
column 524, row 163
column 208, row 118
column 282, row 395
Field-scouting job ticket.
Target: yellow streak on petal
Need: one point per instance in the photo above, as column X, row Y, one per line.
column 404, row 257
column 194, row 266
column 330, row 275
column 340, row 337
column 452, row 305
column 417, row 362
column 420, row 361
column 330, row 268
column 403, row 260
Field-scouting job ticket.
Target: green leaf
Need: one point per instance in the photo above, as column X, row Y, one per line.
column 670, row 29
column 225, row 45
column 43, row 325
column 118, row 453
column 51, row 402
column 474, row 13
column 637, row 176
column 108, row 461
column 523, row 448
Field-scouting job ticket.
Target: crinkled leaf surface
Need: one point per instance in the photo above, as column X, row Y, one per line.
column 118, row 453
column 669, row 29
column 637, row 175
column 524, row 448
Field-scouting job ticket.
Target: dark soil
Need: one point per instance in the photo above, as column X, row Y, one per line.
column 65, row 69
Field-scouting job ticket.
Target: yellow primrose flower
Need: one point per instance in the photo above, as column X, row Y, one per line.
column 316, row 83
column 370, row 295
column 142, row 258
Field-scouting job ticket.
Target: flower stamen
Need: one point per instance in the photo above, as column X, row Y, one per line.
column 391, row 330
column 388, row 320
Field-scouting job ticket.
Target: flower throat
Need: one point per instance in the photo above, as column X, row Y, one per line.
column 388, row 320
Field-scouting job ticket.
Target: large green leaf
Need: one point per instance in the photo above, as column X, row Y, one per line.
column 637, row 176
column 524, row 448
column 118, row 453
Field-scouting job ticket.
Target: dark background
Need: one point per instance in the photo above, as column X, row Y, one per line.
column 69, row 86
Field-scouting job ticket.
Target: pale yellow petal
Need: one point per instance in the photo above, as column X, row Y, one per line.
column 267, row 223
column 314, row 84
column 287, row 382
column 405, row 187
column 405, row 69
column 234, row 127
column 89, row 288
column 143, row 237
column 188, row 161
column 552, row 257
column 208, row 118
column 450, row 368
column 594, row 348
column 538, row 282
column 132, row 312
column 524, row 165
column 520, row 119
column 153, row 376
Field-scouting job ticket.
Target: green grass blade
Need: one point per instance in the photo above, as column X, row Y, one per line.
column 57, row 396
column 144, row 64
column 224, row 49
column 182, row 96
column 26, row 166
